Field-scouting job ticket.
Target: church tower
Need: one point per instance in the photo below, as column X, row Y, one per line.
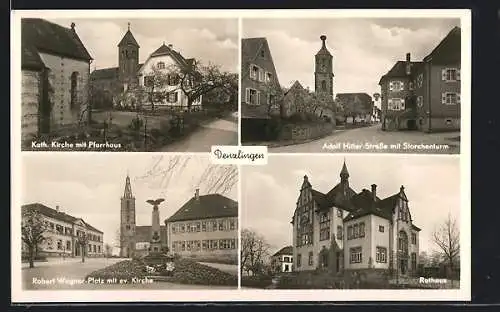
column 128, row 60
column 127, row 221
column 344, row 180
column 323, row 74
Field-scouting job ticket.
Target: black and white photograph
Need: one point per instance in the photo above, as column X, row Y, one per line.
column 387, row 85
column 133, row 222
column 332, row 222
column 134, row 85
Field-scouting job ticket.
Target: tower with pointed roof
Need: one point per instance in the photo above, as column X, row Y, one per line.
column 127, row 221
column 128, row 59
column 323, row 74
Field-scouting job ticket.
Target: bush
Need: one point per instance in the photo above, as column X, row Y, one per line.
column 127, row 269
column 256, row 281
column 188, row 271
column 136, row 124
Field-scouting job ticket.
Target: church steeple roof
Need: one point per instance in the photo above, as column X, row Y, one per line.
column 127, row 193
column 323, row 50
column 344, row 173
column 128, row 39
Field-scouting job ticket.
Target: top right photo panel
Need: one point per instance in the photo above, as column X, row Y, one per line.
column 361, row 84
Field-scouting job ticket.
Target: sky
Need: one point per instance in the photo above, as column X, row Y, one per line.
column 269, row 193
column 363, row 49
column 209, row 40
column 91, row 187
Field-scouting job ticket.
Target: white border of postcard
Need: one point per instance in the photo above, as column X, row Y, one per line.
column 463, row 294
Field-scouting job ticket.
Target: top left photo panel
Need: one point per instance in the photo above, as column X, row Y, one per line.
column 119, row 84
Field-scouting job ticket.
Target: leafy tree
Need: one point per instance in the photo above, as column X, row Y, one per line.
column 33, row 228
column 154, row 87
column 254, row 252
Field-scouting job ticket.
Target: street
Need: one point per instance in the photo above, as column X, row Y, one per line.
column 373, row 139
column 72, row 270
column 217, row 132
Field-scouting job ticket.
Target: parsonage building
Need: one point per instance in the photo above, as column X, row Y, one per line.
column 348, row 230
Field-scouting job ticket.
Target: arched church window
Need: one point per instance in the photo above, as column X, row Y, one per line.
column 74, row 88
column 323, row 85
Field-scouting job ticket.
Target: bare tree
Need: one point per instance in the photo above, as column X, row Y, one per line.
column 82, row 239
column 33, row 228
column 447, row 238
column 154, row 87
column 254, row 251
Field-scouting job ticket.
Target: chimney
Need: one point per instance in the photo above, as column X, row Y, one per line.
column 197, row 194
column 57, row 208
column 374, row 191
column 408, row 63
column 73, row 26
column 171, row 46
column 323, row 38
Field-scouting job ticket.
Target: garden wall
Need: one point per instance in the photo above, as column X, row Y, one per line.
column 305, row 131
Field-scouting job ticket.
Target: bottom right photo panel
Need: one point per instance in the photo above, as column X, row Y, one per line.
column 351, row 222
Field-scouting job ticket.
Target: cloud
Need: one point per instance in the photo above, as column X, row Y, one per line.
column 363, row 49
column 210, row 40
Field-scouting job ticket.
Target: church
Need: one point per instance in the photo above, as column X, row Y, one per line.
column 135, row 240
column 344, row 230
column 322, row 103
column 110, row 84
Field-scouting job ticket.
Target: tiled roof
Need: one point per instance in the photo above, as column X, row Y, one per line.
column 127, row 39
column 165, row 50
column 288, row 250
column 57, row 215
column 143, row 233
column 364, row 205
column 449, row 49
column 206, row 206
column 39, row 35
column 399, row 70
column 250, row 47
column 107, row 73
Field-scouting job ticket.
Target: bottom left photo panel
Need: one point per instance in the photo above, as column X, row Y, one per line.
column 117, row 221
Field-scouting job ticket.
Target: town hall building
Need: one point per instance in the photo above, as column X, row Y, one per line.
column 344, row 230
column 111, row 86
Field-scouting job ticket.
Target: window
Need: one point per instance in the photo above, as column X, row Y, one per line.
column 172, row 97
column 420, row 101
column 214, row 226
column 232, row 243
column 221, row 225
column 68, row 245
column 183, row 246
column 160, row 65
column 74, row 89
column 450, row 74
column 198, row 226
column 355, row 233
column 448, row 122
column 254, row 72
column 262, row 53
column 286, row 259
column 324, row 226
column 381, row 255
column 94, row 248
column 311, row 259
column 59, row 245
column 173, row 79
column 356, row 255
column 261, row 75
column 339, row 232
column 413, row 262
column 413, row 238
column 323, row 85
column 204, row 226
column 349, row 232
column 252, row 96
column 403, row 243
column 232, row 224
column 450, row 98
column 362, row 229
column 269, row 77
column 99, row 249
column 420, row 80
column 381, row 228
column 174, row 228
column 396, row 104
column 339, row 213
column 182, row 228
column 411, row 85
column 299, row 257
column 396, row 86
column 127, row 227
column 204, row 244
column 149, row 81
column 270, row 99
